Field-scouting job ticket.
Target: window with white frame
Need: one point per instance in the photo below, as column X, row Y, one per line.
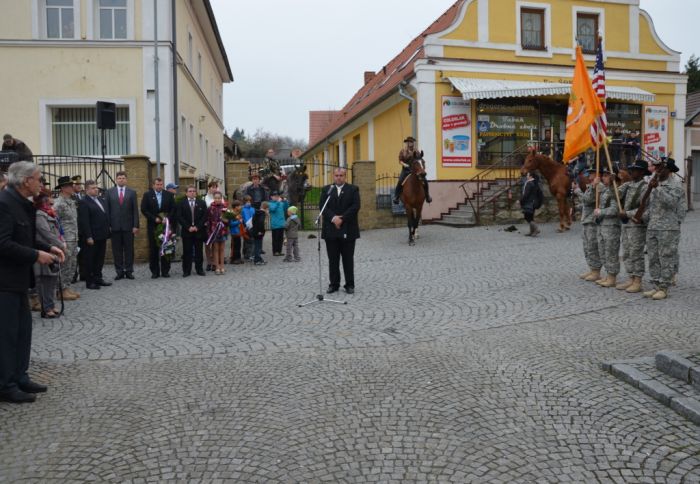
column 206, row 153
column 60, row 19
column 199, row 69
column 112, row 19
column 183, row 139
column 587, row 31
column 190, row 49
column 74, row 132
column 190, row 145
column 532, row 28
column 201, row 150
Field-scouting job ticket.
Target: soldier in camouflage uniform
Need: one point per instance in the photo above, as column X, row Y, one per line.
column 663, row 228
column 609, row 231
column 67, row 210
column 590, row 228
column 633, row 235
column 682, row 210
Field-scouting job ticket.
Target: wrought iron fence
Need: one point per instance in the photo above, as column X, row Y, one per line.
column 384, row 189
column 53, row 167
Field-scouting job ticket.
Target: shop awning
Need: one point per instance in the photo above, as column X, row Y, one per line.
column 494, row 88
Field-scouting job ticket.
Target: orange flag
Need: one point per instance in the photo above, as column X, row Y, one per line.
column 584, row 108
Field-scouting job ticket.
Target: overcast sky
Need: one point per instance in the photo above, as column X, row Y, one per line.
column 290, row 57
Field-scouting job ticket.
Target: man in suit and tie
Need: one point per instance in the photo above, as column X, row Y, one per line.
column 157, row 204
column 93, row 226
column 340, row 229
column 191, row 217
column 123, row 209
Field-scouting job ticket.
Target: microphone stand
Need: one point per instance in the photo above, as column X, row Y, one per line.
column 320, row 296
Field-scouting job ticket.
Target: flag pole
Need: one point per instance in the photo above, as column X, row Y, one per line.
column 597, row 174
column 612, row 173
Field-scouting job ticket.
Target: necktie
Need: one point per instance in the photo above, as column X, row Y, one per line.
column 192, row 210
column 121, row 196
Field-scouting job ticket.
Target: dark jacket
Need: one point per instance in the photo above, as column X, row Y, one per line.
column 184, row 218
column 258, row 231
column 18, row 245
column 150, row 210
column 257, row 194
column 347, row 204
column 22, row 150
column 124, row 217
column 92, row 221
column 527, row 199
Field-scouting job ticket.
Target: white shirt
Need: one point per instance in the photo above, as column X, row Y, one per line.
column 340, row 188
column 97, row 201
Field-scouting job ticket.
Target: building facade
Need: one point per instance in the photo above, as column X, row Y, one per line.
column 62, row 56
column 489, row 76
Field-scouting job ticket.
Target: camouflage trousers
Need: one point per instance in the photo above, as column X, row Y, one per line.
column 662, row 249
column 609, row 247
column 69, row 265
column 634, row 238
column 590, row 246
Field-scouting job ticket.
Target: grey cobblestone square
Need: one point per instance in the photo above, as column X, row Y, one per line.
column 472, row 357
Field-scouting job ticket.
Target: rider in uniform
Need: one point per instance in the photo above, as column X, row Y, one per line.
column 406, row 156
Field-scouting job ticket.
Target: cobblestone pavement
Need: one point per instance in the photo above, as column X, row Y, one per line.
column 472, row 357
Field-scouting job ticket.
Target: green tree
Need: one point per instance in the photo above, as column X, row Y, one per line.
column 692, row 70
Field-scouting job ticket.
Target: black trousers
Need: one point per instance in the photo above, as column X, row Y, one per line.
column 277, row 240
column 158, row 265
column 192, row 246
column 123, row 251
column 235, row 249
column 341, row 249
column 94, row 261
column 15, row 339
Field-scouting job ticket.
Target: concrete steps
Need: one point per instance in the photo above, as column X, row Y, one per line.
column 670, row 377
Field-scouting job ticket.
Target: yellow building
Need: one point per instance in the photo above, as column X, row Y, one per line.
column 488, row 76
column 62, row 56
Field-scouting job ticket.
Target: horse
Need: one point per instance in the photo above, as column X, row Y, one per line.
column 558, row 180
column 413, row 197
column 297, row 185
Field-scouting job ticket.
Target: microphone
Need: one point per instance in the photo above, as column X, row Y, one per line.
column 330, row 189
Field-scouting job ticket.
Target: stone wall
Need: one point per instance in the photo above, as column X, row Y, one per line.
column 236, row 175
column 140, row 171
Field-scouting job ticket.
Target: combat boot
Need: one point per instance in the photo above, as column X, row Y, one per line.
column 636, row 285
column 67, row 295
column 34, row 303
column 660, row 294
column 73, row 293
column 593, row 276
column 585, row 274
column 624, row 285
column 609, row 281
column 650, row 292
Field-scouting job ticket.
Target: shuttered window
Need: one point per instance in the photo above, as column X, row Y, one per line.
column 75, row 133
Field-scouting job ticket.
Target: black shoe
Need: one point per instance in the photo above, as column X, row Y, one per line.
column 201, row 273
column 32, row 387
column 130, row 276
column 395, row 200
column 17, row 396
column 155, row 276
column 93, row 286
column 119, row 277
column 104, row 283
column 350, row 290
column 210, row 268
column 429, row 199
column 186, row 274
column 165, row 276
column 262, row 251
column 331, row 289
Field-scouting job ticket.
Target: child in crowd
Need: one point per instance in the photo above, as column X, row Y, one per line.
column 218, row 232
column 292, row 231
column 277, row 212
column 237, row 230
column 247, row 212
column 258, row 232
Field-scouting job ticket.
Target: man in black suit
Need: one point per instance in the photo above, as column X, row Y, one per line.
column 19, row 251
column 156, row 205
column 123, row 210
column 192, row 217
column 93, row 226
column 340, row 229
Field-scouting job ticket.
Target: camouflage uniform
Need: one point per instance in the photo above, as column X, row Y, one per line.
column 633, row 235
column 609, row 231
column 663, row 231
column 682, row 211
column 590, row 228
column 67, row 211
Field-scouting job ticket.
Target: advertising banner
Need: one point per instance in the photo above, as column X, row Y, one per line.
column 656, row 130
column 456, row 132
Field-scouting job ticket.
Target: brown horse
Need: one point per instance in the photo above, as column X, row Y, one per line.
column 413, row 197
column 558, row 180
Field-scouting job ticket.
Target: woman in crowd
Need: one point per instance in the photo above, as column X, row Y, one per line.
column 217, row 228
column 48, row 232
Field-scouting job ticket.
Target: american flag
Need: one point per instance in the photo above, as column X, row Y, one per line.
column 599, row 128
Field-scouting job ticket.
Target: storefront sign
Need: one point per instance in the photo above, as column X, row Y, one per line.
column 656, row 130
column 456, row 132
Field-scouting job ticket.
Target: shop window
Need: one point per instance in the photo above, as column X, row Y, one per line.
column 504, row 126
column 587, row 32
column 532, row 29
column 60, row 19
column 75, row 132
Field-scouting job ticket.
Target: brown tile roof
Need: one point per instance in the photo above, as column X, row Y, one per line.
column 692, row 106
column 318, row 122
column 400, row 68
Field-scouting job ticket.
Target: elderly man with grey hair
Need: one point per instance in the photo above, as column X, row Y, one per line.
column 19, row 250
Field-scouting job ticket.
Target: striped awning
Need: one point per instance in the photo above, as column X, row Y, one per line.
column 495, row 88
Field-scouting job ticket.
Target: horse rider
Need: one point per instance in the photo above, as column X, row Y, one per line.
column 407, row 155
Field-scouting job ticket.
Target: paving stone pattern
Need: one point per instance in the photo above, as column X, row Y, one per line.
column 472, row 357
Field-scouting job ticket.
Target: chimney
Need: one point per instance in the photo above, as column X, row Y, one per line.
column 369, row 75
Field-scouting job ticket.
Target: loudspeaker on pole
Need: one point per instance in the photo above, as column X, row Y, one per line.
column 106, row 115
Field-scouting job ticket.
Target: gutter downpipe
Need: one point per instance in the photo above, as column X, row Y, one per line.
column 176, row 142
column 157, row 84
column 412, row 107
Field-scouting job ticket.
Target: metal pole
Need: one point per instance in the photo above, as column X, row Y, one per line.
column 157, row 87
column 173, row 43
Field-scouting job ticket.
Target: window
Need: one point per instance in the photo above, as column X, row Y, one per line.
column 206, row 153
column 60, row 19
column 587, row 32
column 201, row 150
column 199, row 69
column 75, row 132
column 183, row 139
column 532, row 29
column 356, row 153
column 191, row 145
column 190, row 46
column 112, row 15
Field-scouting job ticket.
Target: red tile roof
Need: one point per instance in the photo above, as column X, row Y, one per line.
column 318, row 122
column 400, row 68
